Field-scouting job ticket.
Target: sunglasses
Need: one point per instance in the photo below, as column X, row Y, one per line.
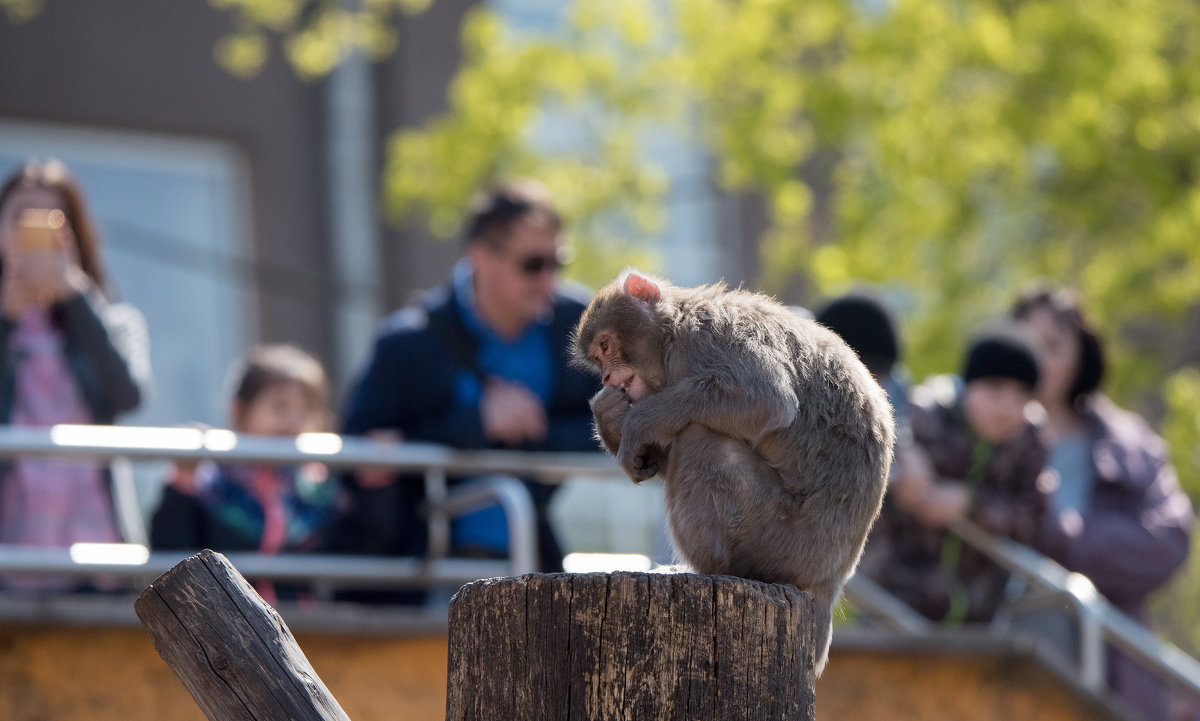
column 538, row 264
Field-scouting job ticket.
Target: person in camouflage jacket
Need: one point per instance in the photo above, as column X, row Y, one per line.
column 982, row 458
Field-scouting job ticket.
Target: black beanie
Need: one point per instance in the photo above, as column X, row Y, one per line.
column 1002, row 353
column 866, row 327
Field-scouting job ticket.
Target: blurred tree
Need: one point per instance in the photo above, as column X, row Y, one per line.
column 948, row 150
column 599, row 88
column 19, row 11
column 317, row 34
column 964, row 147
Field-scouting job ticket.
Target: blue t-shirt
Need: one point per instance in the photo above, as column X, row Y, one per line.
column 526, row 359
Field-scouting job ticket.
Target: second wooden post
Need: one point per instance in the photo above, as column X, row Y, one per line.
column 601, row 647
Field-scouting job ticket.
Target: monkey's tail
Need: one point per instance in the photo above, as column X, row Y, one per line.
column 823, row 626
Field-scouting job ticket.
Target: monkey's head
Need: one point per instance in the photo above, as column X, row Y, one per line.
column 620, row 335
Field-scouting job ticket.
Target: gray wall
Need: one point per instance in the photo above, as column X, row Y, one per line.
column 147, row 66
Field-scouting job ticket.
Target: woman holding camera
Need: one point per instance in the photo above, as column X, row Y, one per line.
column 68, row 354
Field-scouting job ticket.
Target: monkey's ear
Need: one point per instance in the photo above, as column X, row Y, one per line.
column 642, row 288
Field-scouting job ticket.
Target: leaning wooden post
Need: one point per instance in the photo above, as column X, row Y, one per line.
column 601, row 647
column 232, row 651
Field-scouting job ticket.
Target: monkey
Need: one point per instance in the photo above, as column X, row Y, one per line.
column 772, row 438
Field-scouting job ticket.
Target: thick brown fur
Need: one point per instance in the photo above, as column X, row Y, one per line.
column 772, row 437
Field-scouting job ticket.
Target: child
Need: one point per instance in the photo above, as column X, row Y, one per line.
column 280, row 391
column 985, row 456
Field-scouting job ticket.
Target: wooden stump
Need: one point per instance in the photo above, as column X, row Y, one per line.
column 232, row 651
column 601, row 647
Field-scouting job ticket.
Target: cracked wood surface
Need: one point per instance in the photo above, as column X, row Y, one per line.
column 601, row 647
column 231, row 650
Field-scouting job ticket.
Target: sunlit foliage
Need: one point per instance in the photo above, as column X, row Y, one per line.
column 317, row 34
column 967, row 146
column 597, row 91
column 18, row 11
column 949, row 151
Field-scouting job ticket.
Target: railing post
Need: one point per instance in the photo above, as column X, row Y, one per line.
column 438, row 521
column 1093, row 672
column 513, row 498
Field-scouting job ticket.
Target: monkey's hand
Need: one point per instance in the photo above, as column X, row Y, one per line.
column 641, row 454
column 608, row 409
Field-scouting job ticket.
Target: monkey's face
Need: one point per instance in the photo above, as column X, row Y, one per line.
column 616, row 371
column 621, row 337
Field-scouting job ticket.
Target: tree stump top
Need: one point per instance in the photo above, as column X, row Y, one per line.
column 604, row 646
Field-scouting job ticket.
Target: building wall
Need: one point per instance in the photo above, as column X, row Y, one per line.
column 148, row 67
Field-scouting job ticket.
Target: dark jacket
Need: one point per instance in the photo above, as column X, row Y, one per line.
column 107, row 350
column 1132, row 537
column 1135, row 532
column 409, row 383
column 226, row 515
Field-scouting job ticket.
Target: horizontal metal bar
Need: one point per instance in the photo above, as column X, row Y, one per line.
column 143, row 442
column 339, row 571
column 116, row 610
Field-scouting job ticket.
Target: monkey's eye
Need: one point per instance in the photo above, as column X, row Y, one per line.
column 603, row 346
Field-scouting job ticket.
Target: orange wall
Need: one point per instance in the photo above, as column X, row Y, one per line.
column 116, row 675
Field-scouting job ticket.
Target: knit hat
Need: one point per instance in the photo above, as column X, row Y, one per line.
column 1002, row 352
column 866, row 327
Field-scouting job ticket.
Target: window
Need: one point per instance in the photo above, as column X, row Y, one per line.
column 173, row 217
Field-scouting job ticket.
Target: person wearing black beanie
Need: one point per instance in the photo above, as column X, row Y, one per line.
column 865, row 325
column 984, row 456
column 1000, row 374
column 1002, row 353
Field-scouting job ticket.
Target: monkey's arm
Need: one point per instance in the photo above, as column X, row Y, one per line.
column 744, row 408
column 745, row 402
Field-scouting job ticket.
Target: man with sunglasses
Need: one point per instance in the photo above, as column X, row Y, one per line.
column 481, row 362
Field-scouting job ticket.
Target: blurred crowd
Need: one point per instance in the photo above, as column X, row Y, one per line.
column 1020, row 439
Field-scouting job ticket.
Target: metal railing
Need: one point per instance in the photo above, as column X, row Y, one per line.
column 496, row 483
column 433, row 462
column 1048, row 585
column 1097, row 620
